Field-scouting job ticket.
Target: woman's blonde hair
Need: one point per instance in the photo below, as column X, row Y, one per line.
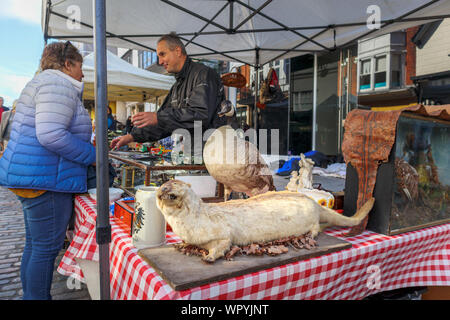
column 56, row 54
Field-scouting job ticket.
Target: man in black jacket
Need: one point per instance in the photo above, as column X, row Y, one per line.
column 195, row 97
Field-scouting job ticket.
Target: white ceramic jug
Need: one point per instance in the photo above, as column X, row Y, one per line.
column 149, row 226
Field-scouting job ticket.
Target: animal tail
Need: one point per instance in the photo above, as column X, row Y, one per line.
column 337, row 219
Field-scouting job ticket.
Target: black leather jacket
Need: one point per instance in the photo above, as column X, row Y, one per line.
column 195, row 96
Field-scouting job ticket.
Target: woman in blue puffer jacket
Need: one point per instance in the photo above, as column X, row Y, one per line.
column 46, row 160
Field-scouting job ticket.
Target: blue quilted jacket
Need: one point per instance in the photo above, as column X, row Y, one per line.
column 49, row 146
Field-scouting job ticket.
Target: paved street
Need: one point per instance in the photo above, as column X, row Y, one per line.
column 12, row 241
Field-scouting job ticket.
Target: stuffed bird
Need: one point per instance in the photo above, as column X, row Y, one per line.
column 236, row 163
column 228, row 110
column 407, row 180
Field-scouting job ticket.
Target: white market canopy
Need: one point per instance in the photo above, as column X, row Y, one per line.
column 252, row 32
column 125, row 81
column 247, row 31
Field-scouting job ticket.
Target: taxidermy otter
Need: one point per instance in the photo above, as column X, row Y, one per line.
column 266, row 217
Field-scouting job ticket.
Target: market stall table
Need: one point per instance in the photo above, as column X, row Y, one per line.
column 375, row 263
column 148, row 168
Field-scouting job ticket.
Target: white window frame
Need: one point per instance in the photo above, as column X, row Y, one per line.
column 372, row 59
column 402, row 69
column 359, row 74
column 387, row 56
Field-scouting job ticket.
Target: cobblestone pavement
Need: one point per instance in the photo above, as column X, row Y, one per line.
column 12, row 241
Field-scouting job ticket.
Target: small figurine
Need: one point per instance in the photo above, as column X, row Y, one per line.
column 305, row 173
column 305, row 181
column 293, row 182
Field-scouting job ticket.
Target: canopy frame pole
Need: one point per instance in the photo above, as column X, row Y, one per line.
column 255, row 108
column 314, row 118
column 47, row 20
column 261, row 49
column 295, row 48
column 231, row 2
column 212, row 50
column 340, row 94
column 388, row 22
column 194, row 14
column 262, row 30
column 290, row 104
column 103, row 227
column 284, row 26
column 254, row 13
column 107, row 34
column 207, row 24
column 224, row 30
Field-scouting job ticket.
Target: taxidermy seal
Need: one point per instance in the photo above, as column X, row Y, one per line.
column 266, row 217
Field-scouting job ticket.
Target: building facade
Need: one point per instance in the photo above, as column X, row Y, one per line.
column 432, row 78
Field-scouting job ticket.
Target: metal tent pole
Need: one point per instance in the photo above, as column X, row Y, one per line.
column 257, row 80
column 314, row 119
column 255, row 108
column 103, row 227
column 47, row 19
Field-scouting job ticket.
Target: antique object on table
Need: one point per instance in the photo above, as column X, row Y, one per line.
column 338, row 200
column 407, row 179
column 368, row 140
column 233, row 79
column 114, row 194
column 305, row 173
column 228, row 110
column 149, row 169
column 270, row 91
column 236, row 163
column 302, row 182
column 149, row 225
column 412, row 183
column 124, row 212
column 203, row 186
column 128, row 173
column 324, row 198
column 293, row 182
column 266, row 217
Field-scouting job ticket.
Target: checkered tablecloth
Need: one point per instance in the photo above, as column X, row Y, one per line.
column 375, row 263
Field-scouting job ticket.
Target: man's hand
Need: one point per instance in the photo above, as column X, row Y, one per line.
column 121, row 141
column 143, row 119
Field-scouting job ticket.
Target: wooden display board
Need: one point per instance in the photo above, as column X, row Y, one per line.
column 182, row 272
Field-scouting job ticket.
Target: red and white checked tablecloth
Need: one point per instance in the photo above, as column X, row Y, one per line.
column 375, row 263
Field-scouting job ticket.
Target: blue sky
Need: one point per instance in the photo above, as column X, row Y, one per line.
column 22, row 44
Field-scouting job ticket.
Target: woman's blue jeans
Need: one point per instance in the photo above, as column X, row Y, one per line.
column 46, row 220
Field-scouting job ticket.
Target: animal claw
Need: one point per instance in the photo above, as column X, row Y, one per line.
column 208, row 259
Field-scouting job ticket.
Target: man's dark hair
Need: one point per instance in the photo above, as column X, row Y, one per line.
column 173, row 41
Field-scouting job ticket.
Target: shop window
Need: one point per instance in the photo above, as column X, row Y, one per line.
column 146, row 58
column 287, row 69
column 364, row 78
column 302, row 101
column 380, row 72
column 396, row 70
